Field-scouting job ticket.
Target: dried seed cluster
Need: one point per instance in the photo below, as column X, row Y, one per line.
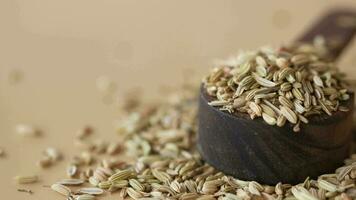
column 287, row 84
column 166, row 165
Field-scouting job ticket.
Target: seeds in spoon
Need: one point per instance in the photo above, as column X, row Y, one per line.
column 299, row 77
column 269, row 119
column 255, row 108
column 302, row 194
column 263, row 81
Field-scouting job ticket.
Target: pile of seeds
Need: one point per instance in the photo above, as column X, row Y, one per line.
column 279, row 85
column 160, row 140
column 157, row 159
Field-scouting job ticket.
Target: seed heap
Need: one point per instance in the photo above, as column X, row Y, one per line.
column 165, row 165
column 287, row 84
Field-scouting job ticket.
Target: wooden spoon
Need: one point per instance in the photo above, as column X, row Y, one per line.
column 253, row 150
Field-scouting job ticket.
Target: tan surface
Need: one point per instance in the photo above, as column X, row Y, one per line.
column 63, row 46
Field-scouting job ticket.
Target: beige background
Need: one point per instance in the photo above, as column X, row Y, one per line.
column 61, row 47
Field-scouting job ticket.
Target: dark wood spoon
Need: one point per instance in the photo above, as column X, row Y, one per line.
column 253, row 150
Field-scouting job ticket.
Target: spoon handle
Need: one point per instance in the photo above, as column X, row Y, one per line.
column 337, row 27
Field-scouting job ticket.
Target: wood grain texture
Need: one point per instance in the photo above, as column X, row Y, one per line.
column 253, row 150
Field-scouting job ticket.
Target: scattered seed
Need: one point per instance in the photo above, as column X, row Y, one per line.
column 26, row 130
column 72, row 170
column 167, row 166
column 105, row 84
column 113, row 148
column 71, row 182
column 25, row 190
column 85, row 197
column 84, row 132
column 91, row 191
column 2, row 152
column 45, row 162
column 61, row 189
column 26, row 179
column 53, row 154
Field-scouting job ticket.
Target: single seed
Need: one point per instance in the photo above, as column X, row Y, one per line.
column 218, row 103
column 61, row 189
column 27, row 130
column 71, row 182
column 72, row 170
column 84, row 132
column 136, row 185
column 282, row 62
column 260, row 61
column 26, row 179
column 239, row 102
column 269, row 119
column 255, row 108
column 285, row 102
column 53, row 154
column 2, row 152
column 300, row 59
column 261, row 71
column 94, row 181
column 85, row 197
column 112, row 148
column 327, row 185
column 25, row 190
column 289, row 114
column 317, row 80
column 105, row 185
column 121, row 175
column 263, row 81
column 302, row 194
column 45, row 162
column 91, row 191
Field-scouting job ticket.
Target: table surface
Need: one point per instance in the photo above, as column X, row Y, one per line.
column 61, row 47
